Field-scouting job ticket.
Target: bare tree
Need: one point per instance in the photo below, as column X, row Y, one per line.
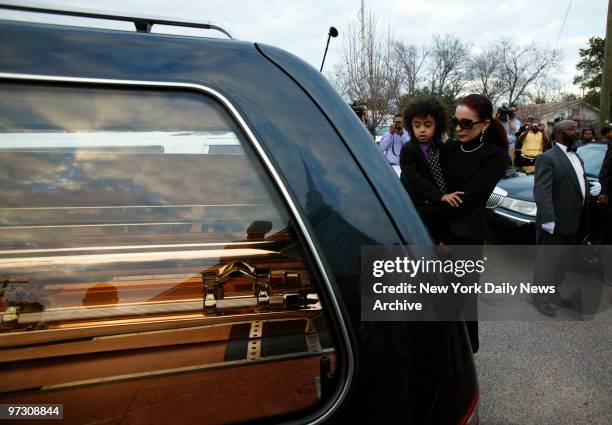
column 524, row 65
column 380, row 71
column 484, row 72
column 545, row 90
column 370, row 71
column 411, row 61
column 448, row 59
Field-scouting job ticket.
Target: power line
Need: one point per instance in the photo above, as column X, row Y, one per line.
column 563, row 24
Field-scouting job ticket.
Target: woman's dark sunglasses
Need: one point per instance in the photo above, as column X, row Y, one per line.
column 464, row 123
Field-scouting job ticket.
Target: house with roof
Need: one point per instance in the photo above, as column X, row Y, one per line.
column 583, row 113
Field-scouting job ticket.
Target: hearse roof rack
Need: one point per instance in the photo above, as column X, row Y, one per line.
column 142, row 23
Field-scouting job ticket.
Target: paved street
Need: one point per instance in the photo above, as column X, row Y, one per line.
column 547, row 372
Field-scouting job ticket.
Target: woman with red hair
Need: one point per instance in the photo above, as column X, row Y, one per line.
column 473, row 163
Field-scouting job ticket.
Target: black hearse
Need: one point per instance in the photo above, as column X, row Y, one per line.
column 180, row 235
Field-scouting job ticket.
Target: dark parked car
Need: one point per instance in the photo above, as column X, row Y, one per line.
column 180, row 238
column 511, row 206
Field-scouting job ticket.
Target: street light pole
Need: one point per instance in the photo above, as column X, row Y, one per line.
column 606, row 84
column 333, row 32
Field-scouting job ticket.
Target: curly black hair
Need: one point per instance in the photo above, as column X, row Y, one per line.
column 423, row 106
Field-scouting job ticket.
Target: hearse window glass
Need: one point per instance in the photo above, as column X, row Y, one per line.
column 145, row 257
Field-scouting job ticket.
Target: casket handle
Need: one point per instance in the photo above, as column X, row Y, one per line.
column 213, row 284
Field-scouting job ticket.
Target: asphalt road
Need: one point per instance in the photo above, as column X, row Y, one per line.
column 548, row 371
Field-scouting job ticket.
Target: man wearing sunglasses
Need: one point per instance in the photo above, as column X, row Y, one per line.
column 393, row 141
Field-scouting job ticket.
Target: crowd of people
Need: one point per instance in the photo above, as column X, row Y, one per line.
column 450, row 179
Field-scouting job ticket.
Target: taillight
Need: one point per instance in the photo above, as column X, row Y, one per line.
column 471, row 417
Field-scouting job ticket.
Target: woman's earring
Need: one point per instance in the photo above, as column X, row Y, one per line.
column 481, row 135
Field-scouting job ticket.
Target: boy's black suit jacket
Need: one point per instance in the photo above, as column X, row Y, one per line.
column 416, row 175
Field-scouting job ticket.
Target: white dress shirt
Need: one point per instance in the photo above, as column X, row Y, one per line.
column 577, row 167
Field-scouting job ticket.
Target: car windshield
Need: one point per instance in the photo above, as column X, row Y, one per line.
column 592, row 155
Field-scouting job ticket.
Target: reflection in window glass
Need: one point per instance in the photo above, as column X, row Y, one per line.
column 142, row 251
column 592, row 155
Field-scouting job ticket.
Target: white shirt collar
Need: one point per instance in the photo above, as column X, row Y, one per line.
column 575, row 161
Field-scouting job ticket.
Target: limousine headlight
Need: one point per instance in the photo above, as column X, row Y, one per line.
column 517, row 205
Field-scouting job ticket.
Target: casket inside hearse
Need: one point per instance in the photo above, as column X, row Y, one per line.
column 181, row 227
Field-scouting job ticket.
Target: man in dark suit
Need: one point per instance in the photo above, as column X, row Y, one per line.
column 605, row 179
column 561, row 192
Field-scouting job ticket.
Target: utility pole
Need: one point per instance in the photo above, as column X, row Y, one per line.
column 606, row 83
column 362, row 39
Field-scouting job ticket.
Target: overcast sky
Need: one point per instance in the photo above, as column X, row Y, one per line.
column 301, row 27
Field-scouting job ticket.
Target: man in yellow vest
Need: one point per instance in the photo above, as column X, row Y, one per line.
column 533, row 142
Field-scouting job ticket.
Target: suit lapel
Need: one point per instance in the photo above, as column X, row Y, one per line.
column 569, row 168
column 416, row 145
column 586, row 181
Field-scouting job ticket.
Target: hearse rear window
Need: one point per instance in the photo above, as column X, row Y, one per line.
column 147, row 259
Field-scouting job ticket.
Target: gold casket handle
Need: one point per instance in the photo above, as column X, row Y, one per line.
column 213, row 284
